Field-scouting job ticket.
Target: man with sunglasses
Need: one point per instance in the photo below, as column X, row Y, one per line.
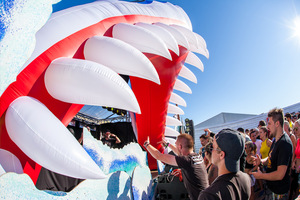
column 231, row 183
column 278, row 162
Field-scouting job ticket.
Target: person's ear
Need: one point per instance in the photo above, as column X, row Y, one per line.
column 180, row 146
column 222, row 154
column 277, row 124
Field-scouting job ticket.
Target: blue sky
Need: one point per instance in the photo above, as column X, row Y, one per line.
column 254, row 61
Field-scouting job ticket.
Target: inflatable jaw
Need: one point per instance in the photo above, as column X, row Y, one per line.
column 70, row 34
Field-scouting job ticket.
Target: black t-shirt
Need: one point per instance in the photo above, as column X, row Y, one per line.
column 231, row 186
column 281, row 153
column 193, row 173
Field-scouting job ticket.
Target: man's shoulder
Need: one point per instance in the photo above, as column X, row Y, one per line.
column 218, row 189
column 208, row 194
column 238, row 179
column 285, row 141
column 215, row 189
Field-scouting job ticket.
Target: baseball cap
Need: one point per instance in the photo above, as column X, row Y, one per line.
column 233, row 144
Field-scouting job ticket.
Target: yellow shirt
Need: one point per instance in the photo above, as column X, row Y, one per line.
column 291, row 124
column 264, row 149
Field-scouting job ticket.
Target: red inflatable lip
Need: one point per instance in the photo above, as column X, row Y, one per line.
column 153, row 99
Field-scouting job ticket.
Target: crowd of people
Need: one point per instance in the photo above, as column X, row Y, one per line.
column 258, row 163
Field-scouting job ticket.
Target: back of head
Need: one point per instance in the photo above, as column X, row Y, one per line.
column 262, row 123
column 204, row 136
column 288, row 115
column 233, row 144
column 241, row 130
column 208, row 148
column 277, row 115
column 186, row 140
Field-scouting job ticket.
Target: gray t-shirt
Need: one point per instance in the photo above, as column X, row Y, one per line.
column 193, row 173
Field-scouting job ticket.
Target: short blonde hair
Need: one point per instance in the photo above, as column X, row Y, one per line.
column 186, row 140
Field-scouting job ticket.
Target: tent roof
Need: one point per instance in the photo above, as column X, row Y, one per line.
column 96, row 112
column 223, row 118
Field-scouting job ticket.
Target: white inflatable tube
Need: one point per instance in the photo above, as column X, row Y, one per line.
column 169, row 132
column 86, row 82
column 9, row 162
column 180, row 38
column 173, row 109
column 200, row 51
column 192, row 59
column 120, row 57
column 43, row 138
column 166, row 36
column 192, row 39
column 202, row 47
column 200, row 40
column 142, row 39
column 181, row 86
column 175, row 98
column 188, row 74
column 196, row 41
column 171, row 121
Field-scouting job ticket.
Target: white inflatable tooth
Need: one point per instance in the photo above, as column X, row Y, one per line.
column 169, row 132
column 44, row 139
column 142, row 39
column 201, row 49
column 188, row 74
column 172, row 109
column 171, row 121
column 207, row 53
column 201, row 40
column 181, row 86
column 120, row 57
column 190, row 36
column 181, row 39
column 175, row 98
column 192, row 59
column 166, row 36
column 86, row 82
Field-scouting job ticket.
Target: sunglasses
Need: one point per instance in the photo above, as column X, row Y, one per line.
column 214, row 149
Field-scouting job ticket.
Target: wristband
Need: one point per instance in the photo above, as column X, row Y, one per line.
column 146, row 144
column 167, row 144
